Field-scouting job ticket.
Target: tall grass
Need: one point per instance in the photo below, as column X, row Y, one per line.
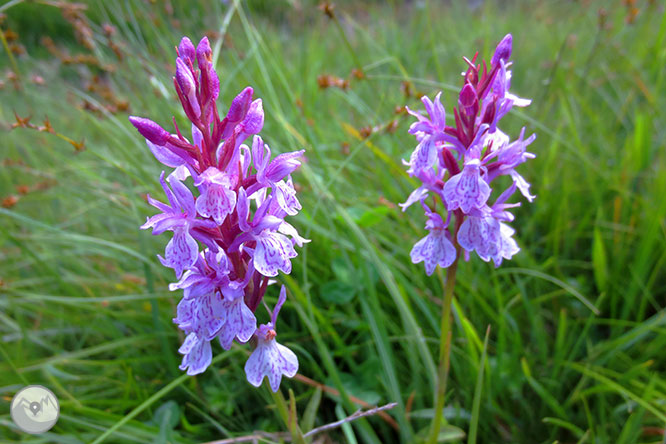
column 577, row 335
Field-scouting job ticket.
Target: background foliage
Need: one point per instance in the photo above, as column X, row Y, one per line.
column 577, row 321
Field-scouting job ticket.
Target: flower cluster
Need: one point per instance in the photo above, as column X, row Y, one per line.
column 224, row 283
column 458, row 164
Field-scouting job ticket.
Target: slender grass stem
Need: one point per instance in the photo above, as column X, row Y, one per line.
column 12, row 60
column 288, row 415
column 444, row 349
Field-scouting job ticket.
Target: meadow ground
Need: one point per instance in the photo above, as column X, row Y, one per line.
column 575, row 351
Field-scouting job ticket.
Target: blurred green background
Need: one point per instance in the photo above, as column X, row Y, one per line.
column 577, row 321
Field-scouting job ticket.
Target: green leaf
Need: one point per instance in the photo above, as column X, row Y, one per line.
column 367, row 217
column 599, row 262
column 167, row 416
column 337, row 292
column 476, row 406
column 310, row 414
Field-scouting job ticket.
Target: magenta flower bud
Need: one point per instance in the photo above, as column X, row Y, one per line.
column 150, row 130
column 240, row 105
column 187, row 85
column 503, row 50
column 254, row 120
column 489, row 113
column 467, row 101
column 186, row 50
column 204, row 54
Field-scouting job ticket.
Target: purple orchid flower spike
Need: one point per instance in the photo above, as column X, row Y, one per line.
column 485, row 152
column 225, row 283
column 457, row 166
column 271, row 359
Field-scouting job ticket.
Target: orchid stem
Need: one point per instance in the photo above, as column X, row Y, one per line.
column 444, row 349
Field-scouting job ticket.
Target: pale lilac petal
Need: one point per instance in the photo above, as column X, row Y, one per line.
column 272, row 367
column 154, row 220
column 183, row 195
column 189, row 343
column 283, row 165
column 198, row 358
column 216, row 202
column 197, row 137
column 509, row 245
column 159, row 205
column 416, row 114
column 261, row 156
column 434, row 249
column 468, row 234
column 272, row 253
column 466, row 190
column 490, row 245
column 439, row 116
column 173, row 202
column 281, row 300
column 518, row 101
column 254, row 366
column 184, row 314
column 245, row 159
column 181, row 252
column 289, row 230
column 424, row 155
column 248, row 323
column 288, row 361
column 180, row 173
column 212, row 315
column 165, row 155
column 169, row 223
column 241, row 323
column 414, row 197
column 243, row 210
column 272, row 360
column 522, row 185
column 286, row 198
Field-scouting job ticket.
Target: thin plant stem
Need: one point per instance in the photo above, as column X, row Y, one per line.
column 287, row 415
column 444, row 348
column 12, row 60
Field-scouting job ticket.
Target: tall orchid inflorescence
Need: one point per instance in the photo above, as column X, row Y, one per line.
column 458, row 164
column 225, row 282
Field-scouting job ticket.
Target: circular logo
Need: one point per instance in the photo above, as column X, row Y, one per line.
column 35, row 409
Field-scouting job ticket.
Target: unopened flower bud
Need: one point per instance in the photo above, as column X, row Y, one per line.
column 204, row 54
column 467, row 101
column 503, row 50
column 186, row 50
column 187, row 85
column 240, row 105
column 150, row 130
column 254, row 120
